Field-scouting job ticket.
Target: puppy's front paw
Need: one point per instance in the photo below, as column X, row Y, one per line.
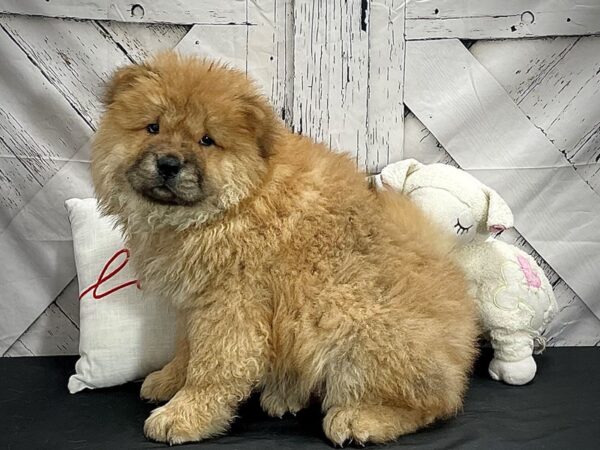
column 185, row 419
column 166, row 424
column 159, row 387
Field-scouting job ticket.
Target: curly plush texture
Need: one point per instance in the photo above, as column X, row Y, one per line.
column 514, row 297
column 290, row 275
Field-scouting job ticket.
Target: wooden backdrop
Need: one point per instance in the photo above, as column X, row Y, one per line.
column 507, row 89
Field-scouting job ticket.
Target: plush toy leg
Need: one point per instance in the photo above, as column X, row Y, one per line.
column 513, row 361
column 513, row 372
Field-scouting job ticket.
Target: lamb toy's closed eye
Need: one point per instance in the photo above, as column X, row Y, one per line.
column 515, row 299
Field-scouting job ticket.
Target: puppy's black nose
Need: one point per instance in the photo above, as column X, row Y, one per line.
column 168, row 166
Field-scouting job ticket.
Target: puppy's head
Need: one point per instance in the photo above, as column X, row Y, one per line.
column 181, row 140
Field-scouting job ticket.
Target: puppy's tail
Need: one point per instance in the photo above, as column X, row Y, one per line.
column 406, row 222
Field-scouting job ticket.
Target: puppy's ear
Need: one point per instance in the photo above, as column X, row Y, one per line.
column 123, row 79
column 262, row 121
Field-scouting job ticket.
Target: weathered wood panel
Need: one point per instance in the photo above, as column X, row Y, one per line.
column 331, row 74
column 363, row 40
column 488, row 135
column 39, row 129
column 207, row 41
column 385, row 100
column 270, row 51
column 75, row 56
column 173, row 11
column 51, row 334
column 137, row 41
column 38, row 241
column 556, row 83
column 57, row 327
column 141, row 40
column 17, row 184
column 493, row 19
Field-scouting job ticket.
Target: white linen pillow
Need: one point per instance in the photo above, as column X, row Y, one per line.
column 124, row 333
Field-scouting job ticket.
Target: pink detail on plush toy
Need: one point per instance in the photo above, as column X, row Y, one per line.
column 533, row 279
column 497, row 228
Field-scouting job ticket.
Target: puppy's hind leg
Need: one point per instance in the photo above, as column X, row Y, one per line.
column 283, row 393
column 364, row 401
column 364, row 423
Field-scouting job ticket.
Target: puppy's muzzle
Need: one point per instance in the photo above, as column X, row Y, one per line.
column 167, row 178
column 168, row 166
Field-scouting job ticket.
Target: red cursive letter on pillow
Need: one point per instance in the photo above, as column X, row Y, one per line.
column 103, row 277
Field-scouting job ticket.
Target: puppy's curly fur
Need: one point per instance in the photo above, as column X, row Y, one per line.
column 290, row 275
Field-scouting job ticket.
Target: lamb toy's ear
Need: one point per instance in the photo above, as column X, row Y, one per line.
column 500, row 216
column 394, row 175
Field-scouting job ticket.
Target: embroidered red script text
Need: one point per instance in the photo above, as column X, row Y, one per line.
column 105, row 275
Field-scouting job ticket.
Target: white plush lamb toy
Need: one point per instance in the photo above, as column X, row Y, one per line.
column 515, row 298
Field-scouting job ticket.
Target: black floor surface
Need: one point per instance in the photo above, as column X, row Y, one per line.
column 560, row 409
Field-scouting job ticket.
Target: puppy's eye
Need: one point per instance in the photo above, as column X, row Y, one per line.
column 153, row 128
column 206, row 141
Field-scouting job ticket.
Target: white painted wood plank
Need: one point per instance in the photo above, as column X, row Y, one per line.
column 39, row 129
column 77, row 57
column 59, row 323
column 487, row 134
column 141, row 40
column 520, row 65
column 37, row 237
column 38, row 241
column 574, row 324
column 51, row 334
column 17, row 185
column 270, row 51
column 421, row 144
column 173, row 11
column 493, row 19
column 385, row 109
column 331, row 74
column 68, row 301
column 18, row 349
column 226, row 43
column 556, row 83
column 311, row 70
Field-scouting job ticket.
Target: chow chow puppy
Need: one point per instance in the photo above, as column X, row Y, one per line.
column 290, row 276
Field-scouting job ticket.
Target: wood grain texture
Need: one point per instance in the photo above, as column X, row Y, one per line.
column 493, row 19
column 135, row 41
column 575, row 323
column 331, row 74
column 56, row 331
column 173, row 11
column 51, row 334
column 333, row 69
column 269, row 57
column 141, row 40
column 490, row 137
column 556, row 83
column 39, row 129
column 75, row 56
column 207, row 42
column 37, row 251
column 385, row 100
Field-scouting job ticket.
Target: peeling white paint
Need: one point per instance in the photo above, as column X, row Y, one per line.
column 333, row 70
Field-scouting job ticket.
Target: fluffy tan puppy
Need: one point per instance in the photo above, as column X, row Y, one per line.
column 290, row 275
